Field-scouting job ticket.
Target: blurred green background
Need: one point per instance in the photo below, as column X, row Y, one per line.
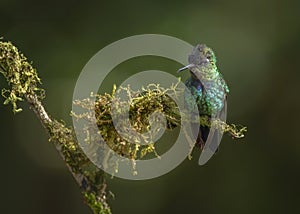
column 257, row 44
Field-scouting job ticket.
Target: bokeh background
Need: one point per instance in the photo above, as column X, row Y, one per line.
column 257, row 44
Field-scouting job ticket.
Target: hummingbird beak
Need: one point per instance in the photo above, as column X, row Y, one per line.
column 186, row 67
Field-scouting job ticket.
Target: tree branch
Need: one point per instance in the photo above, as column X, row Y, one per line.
column 23, row 82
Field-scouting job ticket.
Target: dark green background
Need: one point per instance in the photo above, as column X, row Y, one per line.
column 257, row 44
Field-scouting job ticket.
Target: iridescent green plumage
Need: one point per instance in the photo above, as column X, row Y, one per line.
column 207, row 86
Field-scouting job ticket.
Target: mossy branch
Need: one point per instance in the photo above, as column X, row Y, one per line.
column 24, row 84
column 152, row 98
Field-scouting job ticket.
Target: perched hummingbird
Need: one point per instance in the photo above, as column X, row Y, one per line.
column 208, row 89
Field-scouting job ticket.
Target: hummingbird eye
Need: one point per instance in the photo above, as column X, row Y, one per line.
column 208, row 56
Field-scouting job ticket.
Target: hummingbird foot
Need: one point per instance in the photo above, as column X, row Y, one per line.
column 200, row 143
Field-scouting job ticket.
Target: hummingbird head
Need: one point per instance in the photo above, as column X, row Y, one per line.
column 201, row 55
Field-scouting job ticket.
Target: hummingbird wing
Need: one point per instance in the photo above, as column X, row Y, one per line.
column 213, row 139
column 217, row 94
column 192, row 96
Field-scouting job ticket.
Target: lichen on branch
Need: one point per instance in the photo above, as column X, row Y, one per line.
column 21, row 77
column 24, row 84
column 142, row 103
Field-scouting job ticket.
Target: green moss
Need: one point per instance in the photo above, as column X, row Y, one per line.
column 23, row 84
column 21, row 77
column 142, row 104
column 93, row 202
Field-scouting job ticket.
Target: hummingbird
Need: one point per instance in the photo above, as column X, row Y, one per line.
column 208, row 89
